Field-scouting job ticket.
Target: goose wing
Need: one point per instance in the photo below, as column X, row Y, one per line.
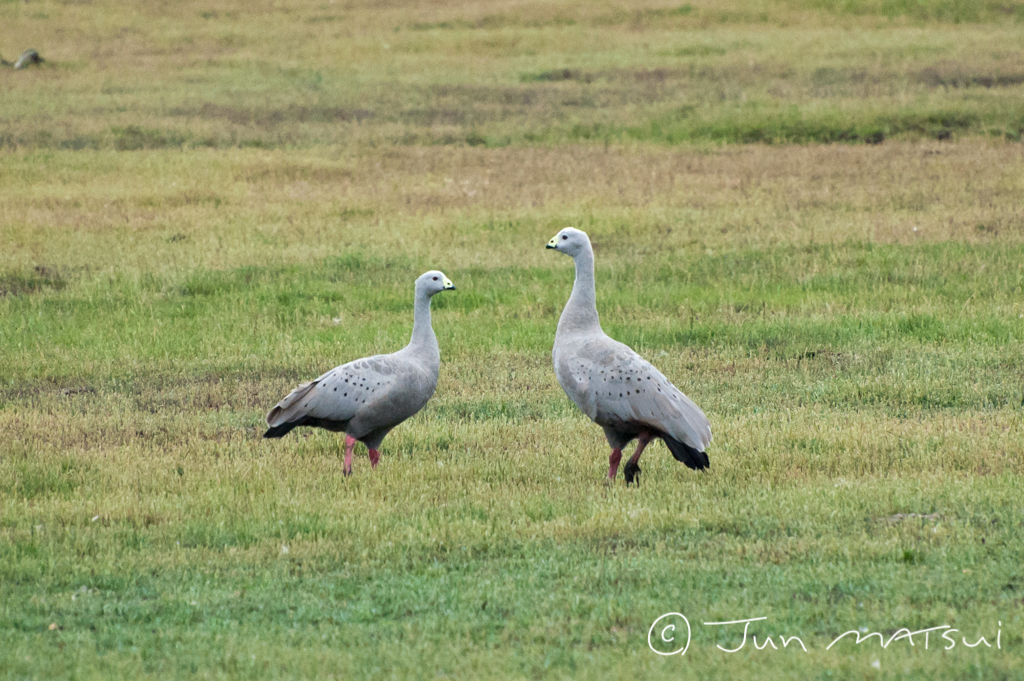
column 341, row 394
column 619, row 389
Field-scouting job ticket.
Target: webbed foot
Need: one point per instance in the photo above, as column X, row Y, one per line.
column 632, row 473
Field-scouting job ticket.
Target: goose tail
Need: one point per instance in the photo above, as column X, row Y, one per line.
column 281, row 430
column 692, row 457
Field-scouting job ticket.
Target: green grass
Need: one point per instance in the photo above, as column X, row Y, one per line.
column 806, row 214
column 849, row 380
column 956, row 11
column 777, row 71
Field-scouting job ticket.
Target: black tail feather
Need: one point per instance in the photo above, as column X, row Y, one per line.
column 281, row 430
column 693, row 458
column 285, row 428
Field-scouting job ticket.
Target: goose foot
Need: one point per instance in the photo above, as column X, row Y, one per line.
column 633, row 465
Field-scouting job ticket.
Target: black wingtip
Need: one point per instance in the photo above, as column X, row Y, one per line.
column 693, row 458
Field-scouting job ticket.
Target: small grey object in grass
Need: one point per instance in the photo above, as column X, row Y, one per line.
column 28, row 58
column 368, row 397
column 905, row 516
column 77, row 391
column 617, row 388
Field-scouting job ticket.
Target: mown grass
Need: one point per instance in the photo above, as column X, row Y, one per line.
column 855, row 341
column 201, row 206
column 956, row 11
column 209, row 75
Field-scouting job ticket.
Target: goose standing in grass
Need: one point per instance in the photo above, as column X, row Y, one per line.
column 618, row 389
column 27, row 58
column 368, row 397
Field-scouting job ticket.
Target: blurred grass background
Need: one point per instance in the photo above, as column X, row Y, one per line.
column 203, row 74
column 807, row 214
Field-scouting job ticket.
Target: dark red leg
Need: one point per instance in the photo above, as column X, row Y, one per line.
column 613, row 463
column 350, row 444
column 374, row 458
column 633, row 465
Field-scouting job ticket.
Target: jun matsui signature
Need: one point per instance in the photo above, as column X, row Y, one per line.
column 667, row 633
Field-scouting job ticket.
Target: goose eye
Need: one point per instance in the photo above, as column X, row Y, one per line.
column 435, row 278
column 564, row 237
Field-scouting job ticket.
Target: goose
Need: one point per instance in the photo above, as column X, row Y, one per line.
column 617, row 388
column 368, row 397
column 28, row 58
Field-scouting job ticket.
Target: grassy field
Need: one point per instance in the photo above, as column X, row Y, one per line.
column 807, row 213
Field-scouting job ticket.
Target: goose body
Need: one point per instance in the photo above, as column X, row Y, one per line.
column 614, row 386
column 28, row 58
column 368, row 397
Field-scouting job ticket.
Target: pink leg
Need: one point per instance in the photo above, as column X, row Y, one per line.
column 350, row 444
column 633, row 465
column 613, row 463
column 374, row 458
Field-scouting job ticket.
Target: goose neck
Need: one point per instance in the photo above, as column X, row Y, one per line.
column 423, row 337
column 580, row 313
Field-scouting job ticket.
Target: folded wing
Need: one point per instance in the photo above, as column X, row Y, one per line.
column 337, row 396
column 625, row 391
